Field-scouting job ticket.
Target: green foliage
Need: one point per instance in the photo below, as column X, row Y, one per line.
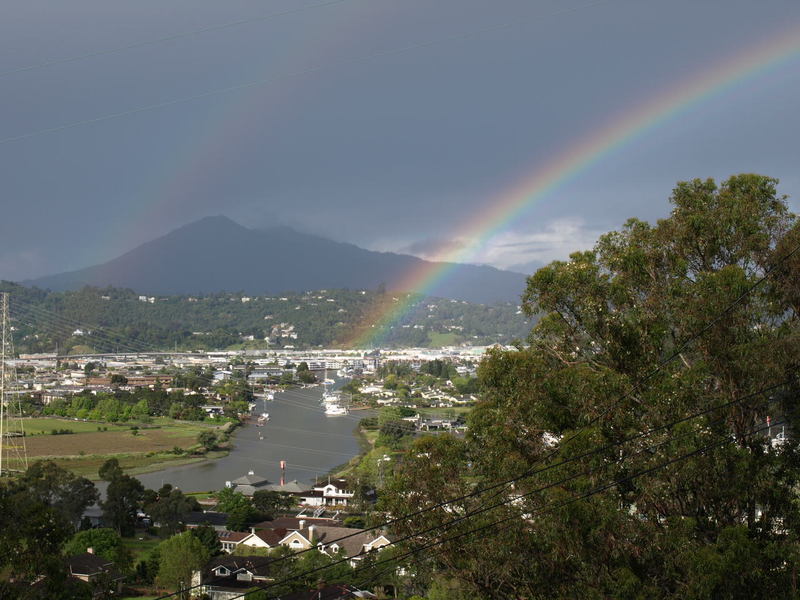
column 58, row 488
column 240, row 509
column 104, row 542
column 720, row 524
column 214, row 321
column 168, row 508
column 306, row 376
column 207, row 439
column 271, row 503
column 180, row 555
column 123, row 498
column 207, row 536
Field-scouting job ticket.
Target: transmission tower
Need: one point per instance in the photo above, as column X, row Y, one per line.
column 13, row 454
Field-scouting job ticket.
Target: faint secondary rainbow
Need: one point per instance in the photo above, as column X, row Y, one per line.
column 500, row 212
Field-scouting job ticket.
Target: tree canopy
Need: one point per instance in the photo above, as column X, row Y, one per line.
column 655, row 324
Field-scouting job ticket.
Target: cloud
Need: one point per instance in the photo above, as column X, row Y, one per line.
column 524, row 251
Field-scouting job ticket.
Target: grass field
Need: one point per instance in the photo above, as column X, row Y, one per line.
column 45, row 425
column 149, row 448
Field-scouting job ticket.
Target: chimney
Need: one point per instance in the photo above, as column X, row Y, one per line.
column 252, row 530
column 311, row 531
column 301, row 524
column 90, row 550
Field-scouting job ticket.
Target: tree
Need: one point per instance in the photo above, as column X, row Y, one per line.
column 271, row 503
column 123, row 498
column 207, row 439
column 59, row 488
column 104, row 542
column 180, row 556
column 207, row 536
column 118, row 379
column 306, row 376
column 168, row 508
column 714, row 524
column 110, row 470
column 239, row 508
column 31, row 535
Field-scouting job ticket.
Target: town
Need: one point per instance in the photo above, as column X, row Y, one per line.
column 250, row 521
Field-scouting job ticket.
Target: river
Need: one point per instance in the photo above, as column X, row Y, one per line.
column 298, row 431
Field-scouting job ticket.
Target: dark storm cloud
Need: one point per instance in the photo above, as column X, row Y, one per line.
column 348, row 138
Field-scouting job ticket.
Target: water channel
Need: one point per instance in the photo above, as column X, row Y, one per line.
column 298, row 431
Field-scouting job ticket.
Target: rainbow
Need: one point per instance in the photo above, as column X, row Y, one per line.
column 611, row 135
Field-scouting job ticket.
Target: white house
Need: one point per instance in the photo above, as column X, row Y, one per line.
column 333, row 493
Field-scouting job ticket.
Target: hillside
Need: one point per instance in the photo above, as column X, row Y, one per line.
column 112, row 319
column 216, row 254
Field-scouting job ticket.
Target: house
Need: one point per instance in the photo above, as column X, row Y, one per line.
column 333, row 493
column 248, row 484
column 228, row 577
column 97, row 571
column 330, row 592
column 264, row 538
column 229, row 540
column 355, row 543
column 217, row 520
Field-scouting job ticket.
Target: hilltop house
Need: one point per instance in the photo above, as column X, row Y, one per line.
column 333, row 493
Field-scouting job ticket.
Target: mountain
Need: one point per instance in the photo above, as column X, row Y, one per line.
column 216, row 254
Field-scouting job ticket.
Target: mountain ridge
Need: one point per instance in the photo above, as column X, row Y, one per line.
column 216, row 254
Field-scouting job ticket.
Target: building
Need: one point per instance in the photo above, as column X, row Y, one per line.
column 333, row 493
column 97, row 571
column 249, row 484
column 355, row 543
column 228, row 577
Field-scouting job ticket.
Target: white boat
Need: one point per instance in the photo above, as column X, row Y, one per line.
column 263, row 419
column 334, row 410
column 328, row 397
column 329, row 381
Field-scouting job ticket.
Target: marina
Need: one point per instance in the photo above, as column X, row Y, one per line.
column 296, row 430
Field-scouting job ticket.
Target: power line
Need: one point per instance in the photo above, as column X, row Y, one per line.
column 545, row 487
column 549, row 507
column 169, row 38
column 43, row 313
column 652, row 373
column 315, row 69
column 65, row 327
column 675, row 354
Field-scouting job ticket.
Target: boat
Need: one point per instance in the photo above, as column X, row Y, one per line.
column 334, row 410
column 263, row 419
column 328, row 397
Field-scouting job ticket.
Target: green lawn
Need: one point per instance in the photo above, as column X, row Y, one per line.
column 141, row 545
column 45, row 425
column 86, row 448
column 443, row 412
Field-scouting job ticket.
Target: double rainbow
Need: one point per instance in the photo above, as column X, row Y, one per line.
column 507, row 207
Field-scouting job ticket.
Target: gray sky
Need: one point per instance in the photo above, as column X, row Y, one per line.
column 385, row 123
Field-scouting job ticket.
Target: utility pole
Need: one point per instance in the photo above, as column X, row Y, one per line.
column 13, row 453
